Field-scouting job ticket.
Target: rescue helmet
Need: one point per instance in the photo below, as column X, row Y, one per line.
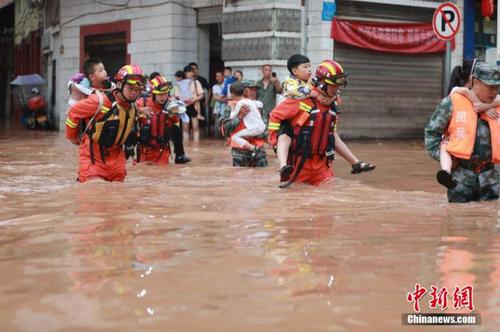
column 159, row 85
column 131, row 74
column 331, row 72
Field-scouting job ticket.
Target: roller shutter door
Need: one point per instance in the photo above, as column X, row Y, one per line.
column 389, row 95
column 385, row 11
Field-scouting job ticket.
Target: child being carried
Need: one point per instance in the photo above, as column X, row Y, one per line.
column 254, row 125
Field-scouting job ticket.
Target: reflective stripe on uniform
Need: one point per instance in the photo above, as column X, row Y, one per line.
column 70, row 123
column 274, row 125
column 304, row 107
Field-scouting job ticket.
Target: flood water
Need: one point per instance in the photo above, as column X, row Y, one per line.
column 209, row 247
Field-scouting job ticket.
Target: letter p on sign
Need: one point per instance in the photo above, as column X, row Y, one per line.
column 446, row 21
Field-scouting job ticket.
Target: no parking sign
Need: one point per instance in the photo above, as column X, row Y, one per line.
column 446, row 21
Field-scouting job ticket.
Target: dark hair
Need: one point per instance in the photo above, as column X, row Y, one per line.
column 266, row 65
column 239, row 71
column 295, row 60
column 228, row 68
column 154, row 74
column 191, row 64
column 180, row 74
column 187, row 69
column 89, row 66
column 460, row 74
column 237, row 89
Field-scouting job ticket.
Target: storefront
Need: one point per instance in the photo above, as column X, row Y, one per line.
column 395, row 64
column 480, row 30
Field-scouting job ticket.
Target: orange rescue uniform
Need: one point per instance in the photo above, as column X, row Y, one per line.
column 155, row 152
column 316, row 169
column 113, row 167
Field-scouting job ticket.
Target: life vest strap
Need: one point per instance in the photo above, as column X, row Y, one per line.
column 99, row 109
column 306, row 132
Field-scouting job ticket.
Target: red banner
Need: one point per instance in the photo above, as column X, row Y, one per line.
column 388, row 37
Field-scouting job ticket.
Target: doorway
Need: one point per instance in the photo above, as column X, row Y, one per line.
column 110, row 48
column 107, row 42
column 6, row 59
column 215, row 57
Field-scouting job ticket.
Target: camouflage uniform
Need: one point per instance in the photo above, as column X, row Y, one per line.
column 241, row 157
column 477, row 179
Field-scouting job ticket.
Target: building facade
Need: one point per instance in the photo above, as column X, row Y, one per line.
column 390, row 94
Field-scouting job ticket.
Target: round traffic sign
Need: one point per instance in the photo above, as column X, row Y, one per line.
column 446, row 21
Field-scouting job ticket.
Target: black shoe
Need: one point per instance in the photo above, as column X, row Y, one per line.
column 183, row 159
column 446, row 179
column 285, row 173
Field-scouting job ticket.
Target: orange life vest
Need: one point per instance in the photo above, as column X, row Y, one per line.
column 153, row 128
column 463, row 126
column 322, row 138
column 258, row 142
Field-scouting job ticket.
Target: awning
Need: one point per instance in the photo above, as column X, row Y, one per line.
column 5, row 3
column 388, row 37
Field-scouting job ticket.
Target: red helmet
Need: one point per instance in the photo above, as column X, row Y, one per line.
column 331, row 72
column 131, row 74
column 159, row 85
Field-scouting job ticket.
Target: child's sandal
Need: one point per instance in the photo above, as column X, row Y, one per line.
column 361, row 166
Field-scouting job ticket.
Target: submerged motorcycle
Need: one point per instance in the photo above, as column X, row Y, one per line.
column 35, row 111
column 27, row 91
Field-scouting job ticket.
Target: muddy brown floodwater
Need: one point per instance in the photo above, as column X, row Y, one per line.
column 209, row 247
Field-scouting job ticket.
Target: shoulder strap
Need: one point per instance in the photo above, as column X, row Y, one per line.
column 99, row 107
column 307, row 132
column 314, row 102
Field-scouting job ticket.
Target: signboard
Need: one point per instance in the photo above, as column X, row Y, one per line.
column 388, row 37
column 446, row 21
column 328, row 13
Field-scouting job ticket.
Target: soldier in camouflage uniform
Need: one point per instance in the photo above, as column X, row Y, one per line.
column 241, row 157
column 476, row 178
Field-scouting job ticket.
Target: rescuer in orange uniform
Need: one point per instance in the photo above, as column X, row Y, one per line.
column 311, row 126
column 111, row 129
column 156, row 123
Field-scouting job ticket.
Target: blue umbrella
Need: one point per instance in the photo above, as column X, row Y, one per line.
column 33, row 79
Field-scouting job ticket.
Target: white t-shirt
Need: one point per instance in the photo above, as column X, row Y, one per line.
column 219, row 106
column 253, row 119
